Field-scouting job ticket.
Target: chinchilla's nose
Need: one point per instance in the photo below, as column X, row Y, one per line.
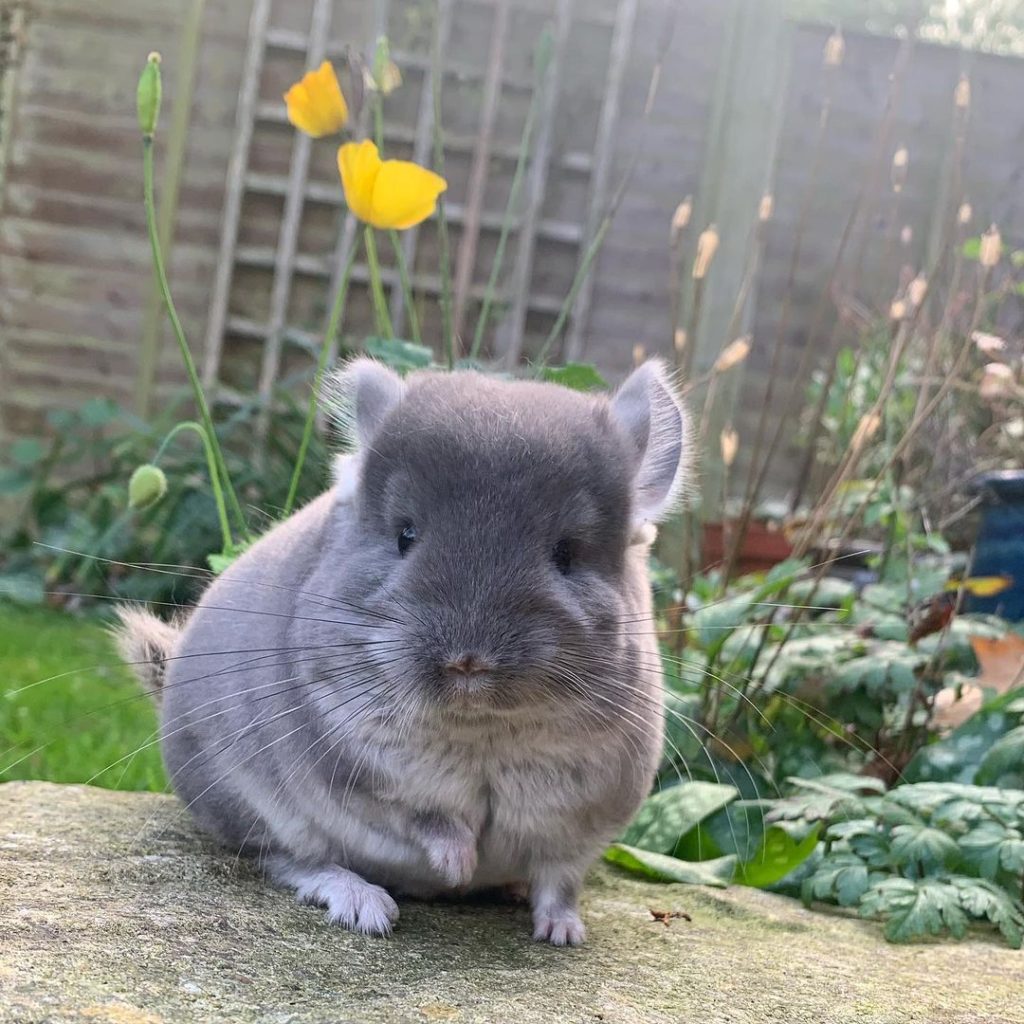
column 467, row 665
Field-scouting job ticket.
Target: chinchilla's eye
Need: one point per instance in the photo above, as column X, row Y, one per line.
column 406, row 539
column 562, row 556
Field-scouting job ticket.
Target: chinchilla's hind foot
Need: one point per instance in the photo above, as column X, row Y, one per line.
column 349, row 899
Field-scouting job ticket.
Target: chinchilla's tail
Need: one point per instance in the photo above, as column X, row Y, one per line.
column 145, row 643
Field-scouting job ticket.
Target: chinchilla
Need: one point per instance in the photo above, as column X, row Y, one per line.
column 441, row 675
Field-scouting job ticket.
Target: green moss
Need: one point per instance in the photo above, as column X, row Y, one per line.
column 112, row 909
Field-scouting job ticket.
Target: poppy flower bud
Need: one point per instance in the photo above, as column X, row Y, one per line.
column 148, row 95
column 147, row 486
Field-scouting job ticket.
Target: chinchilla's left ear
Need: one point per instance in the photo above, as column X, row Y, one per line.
column 649, row 411
column 358, row 399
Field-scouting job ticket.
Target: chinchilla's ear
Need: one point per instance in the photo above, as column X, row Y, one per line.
column 649, row 411
column 359, row 396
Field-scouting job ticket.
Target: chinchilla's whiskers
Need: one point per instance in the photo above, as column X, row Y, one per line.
column 710, row 733
column 350, row 786
column 813, row 714
column 816, row 628
column 691, row 725
column 232, row 737
column 810, row 711
column 232, row 610
column 336, row 675
column 655, row 701
column 208, row 575
column 582, row 721
column 652, row 617
column 700, row 665
column 369, row 684
column 119, row 663
column 412, row 613
column 142, row 695
column 258, row 723
column 568, row 672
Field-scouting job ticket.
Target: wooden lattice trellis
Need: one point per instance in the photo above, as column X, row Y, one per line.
column 255, row 285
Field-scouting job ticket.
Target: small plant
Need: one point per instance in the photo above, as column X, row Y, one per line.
column 925, row 858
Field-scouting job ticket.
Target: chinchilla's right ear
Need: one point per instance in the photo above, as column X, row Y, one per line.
column 358, row 398
column 649, row 411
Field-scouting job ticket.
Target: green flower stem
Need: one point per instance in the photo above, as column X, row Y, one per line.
column 211, row 464
column 221, row 477
column 333, row 324
column 379, row 302
column 403, row 268
column 443, row 250
column 403, row 275
column 539, row 73
column 577, row 282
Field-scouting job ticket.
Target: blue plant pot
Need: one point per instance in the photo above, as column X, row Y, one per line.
column 1000, row 543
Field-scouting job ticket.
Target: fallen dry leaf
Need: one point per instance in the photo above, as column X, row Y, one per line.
column 666, row 917
column 1002, row 667
column 1001, row 661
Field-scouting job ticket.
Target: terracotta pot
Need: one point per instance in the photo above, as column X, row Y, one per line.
column 762, row 547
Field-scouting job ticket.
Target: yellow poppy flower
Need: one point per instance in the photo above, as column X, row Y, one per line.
column 315, row 103
column 387, row 193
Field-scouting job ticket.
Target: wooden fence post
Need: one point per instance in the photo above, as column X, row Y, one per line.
column 738, row 170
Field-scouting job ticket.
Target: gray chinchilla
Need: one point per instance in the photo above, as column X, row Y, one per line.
column 441, row 675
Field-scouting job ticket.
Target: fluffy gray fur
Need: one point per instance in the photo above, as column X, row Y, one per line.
column 481, row 711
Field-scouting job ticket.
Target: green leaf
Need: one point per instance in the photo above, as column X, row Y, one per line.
column 991, row 848
column 14, row 480
column 401, row 356
column 972, row 249
column 222, row 560
column 1006, row 756
column 662, row 868
column 958, row 757
column 98, row 412
column 912, row 909
column 577, row 376
column 985, row 901
column 841, row 782
column 738, row 828
column 667, row 816
column 60, row 419
column 27, row 451
column 22, row 588
column 828, row 592
column 840, row 878
column 715, row 622
column 889, row 668
column 923, row 850
column 778, row 856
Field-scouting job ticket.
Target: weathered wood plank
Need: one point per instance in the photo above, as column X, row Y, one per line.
column 618, row 56
column 289, row 236
column 509, row 336
column 466, row 258
column 235, row 189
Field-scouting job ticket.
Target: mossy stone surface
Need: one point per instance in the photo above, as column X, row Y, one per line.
column 113, row 910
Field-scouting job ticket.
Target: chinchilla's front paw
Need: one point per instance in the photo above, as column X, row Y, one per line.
column 453, row 857
column 559, row 927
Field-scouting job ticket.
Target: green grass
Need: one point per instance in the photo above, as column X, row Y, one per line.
column 69, row 710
